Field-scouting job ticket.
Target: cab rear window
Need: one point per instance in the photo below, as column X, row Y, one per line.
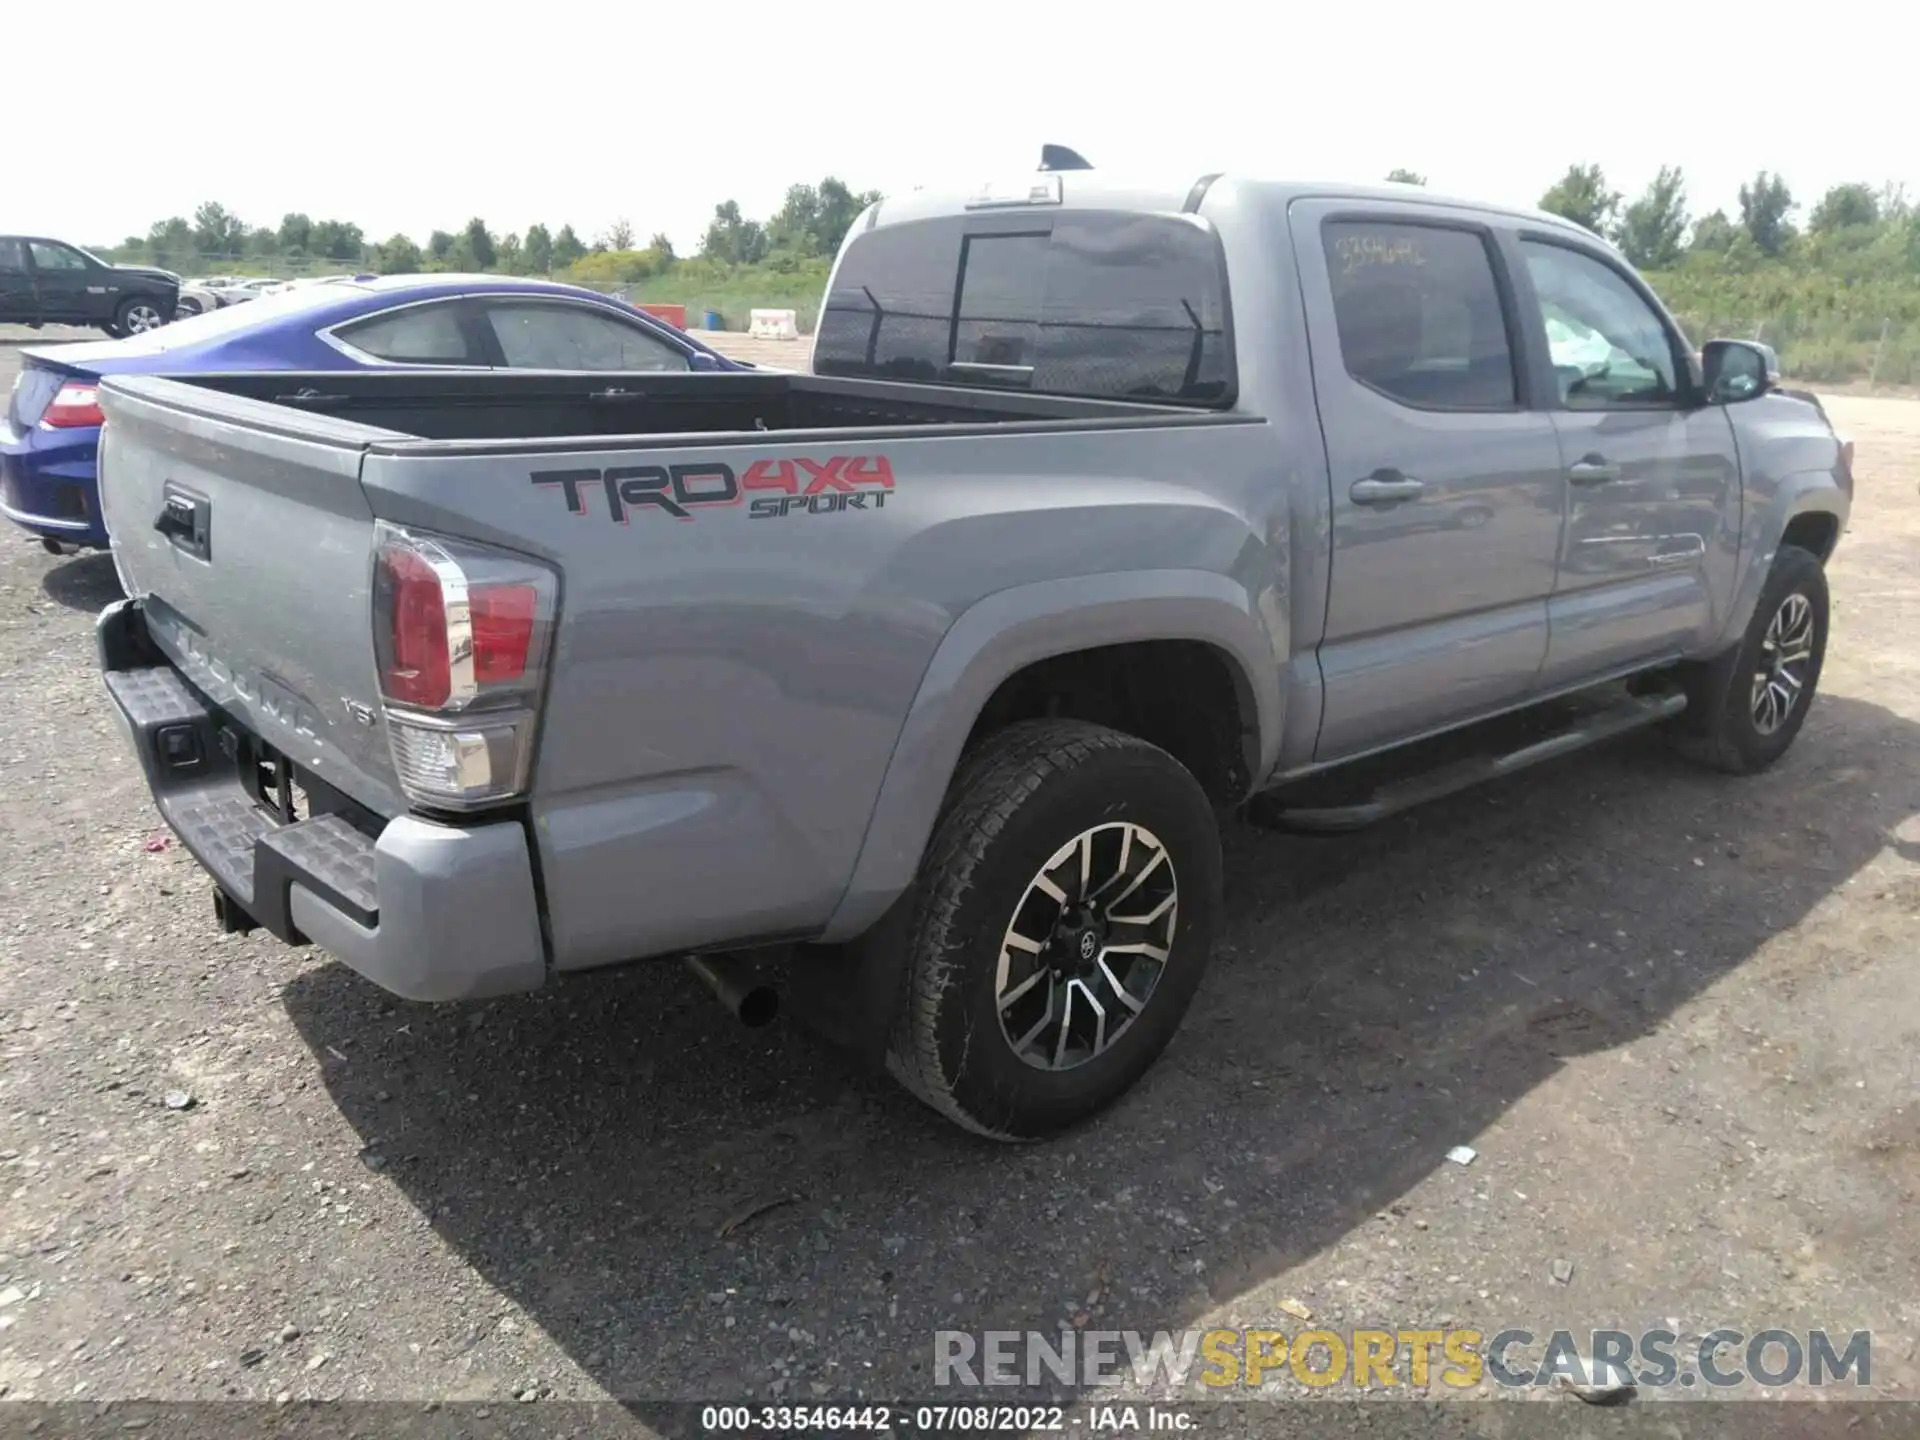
column 1106, row 305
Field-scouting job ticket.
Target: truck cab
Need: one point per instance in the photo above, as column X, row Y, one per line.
column 1505, row 472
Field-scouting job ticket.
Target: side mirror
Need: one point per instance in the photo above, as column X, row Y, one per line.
column 1735, row 370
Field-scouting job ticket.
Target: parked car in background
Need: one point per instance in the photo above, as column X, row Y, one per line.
column 233, row 289
column 196, row 298
column 49, row 282
column 51, row 433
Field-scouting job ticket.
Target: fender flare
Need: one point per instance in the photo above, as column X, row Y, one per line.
column 1002, row 634
column 1804, row 492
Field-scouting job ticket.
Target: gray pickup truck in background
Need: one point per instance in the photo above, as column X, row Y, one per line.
column 1108, row 508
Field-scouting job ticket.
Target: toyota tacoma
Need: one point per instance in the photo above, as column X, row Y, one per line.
column 1108, row 509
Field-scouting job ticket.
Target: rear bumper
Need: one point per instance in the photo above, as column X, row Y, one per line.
column 49, row 485
column 427, row 911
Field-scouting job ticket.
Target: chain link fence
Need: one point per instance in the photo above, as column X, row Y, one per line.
column 250, row 267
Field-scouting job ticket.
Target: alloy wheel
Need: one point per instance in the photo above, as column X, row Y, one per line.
column 1087, row 944
column 1785, row 655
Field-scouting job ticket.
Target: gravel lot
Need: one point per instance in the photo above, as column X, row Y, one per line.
column 1675, row 1014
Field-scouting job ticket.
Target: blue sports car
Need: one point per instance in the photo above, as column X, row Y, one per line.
column 52, row 428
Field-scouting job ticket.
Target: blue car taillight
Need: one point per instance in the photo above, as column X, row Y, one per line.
column 75, row 406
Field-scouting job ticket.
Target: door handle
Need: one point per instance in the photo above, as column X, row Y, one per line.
column 187, row 522
column 176, row 520
column 1593, row 470
column 1385, row 487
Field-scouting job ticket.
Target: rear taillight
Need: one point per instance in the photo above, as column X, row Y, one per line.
column 461, row 632
column 503, row 621
column 416, row 668
column 77, row 404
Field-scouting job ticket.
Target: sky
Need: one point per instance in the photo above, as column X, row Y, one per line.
column 401, row 118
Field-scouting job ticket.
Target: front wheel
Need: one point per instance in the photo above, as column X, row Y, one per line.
column 137, row 316
column 1744, row 709
column 1060, row 926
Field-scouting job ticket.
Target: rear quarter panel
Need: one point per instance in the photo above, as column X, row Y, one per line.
column 729, row 689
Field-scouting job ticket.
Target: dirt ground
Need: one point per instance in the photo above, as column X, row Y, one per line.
column 1675, row 1015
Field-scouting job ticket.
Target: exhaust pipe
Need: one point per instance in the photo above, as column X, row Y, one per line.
column 54, row 547
column 738, row 983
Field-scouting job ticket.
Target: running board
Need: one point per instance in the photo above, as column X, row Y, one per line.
column 1391, row 798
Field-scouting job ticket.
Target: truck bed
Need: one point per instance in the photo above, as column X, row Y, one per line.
column 525, row 407
column 754, row 573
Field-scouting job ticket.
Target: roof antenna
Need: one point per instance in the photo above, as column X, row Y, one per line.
column 1059, row 157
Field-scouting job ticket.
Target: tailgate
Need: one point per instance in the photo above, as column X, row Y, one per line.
column 242, row 530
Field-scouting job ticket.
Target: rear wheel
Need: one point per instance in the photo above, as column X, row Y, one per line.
column 1060, row 926
column 1745, row 708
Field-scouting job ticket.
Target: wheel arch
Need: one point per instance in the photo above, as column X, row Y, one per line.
column 1804, row 504
column 1011, row 630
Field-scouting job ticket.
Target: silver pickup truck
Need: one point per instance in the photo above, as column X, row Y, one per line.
column 922, row 679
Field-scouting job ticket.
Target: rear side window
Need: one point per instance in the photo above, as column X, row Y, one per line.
column 554, row 336
column 1419, row 315
column 1111, row 306
column 417, row 335
column 13, row 256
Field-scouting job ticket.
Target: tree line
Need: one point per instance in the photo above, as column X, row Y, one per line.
column 1655, row 230
column 1855, row 222
column 808, row 227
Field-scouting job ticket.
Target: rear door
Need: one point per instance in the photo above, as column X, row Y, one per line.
column 18, row 303
column 1653, row 494
column 267, row 607
column 71, row 290
column 1447, row 492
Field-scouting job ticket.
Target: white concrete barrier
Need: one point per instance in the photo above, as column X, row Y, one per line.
column 773, row 325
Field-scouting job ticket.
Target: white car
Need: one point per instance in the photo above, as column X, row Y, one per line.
column 196, row 299
column 233, row 289
column 307, row 281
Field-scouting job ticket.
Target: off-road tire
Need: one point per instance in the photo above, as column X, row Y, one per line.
column 1023, row 794
column 1718, row 728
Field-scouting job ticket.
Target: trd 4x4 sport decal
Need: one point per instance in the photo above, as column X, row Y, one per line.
column 793, row 487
